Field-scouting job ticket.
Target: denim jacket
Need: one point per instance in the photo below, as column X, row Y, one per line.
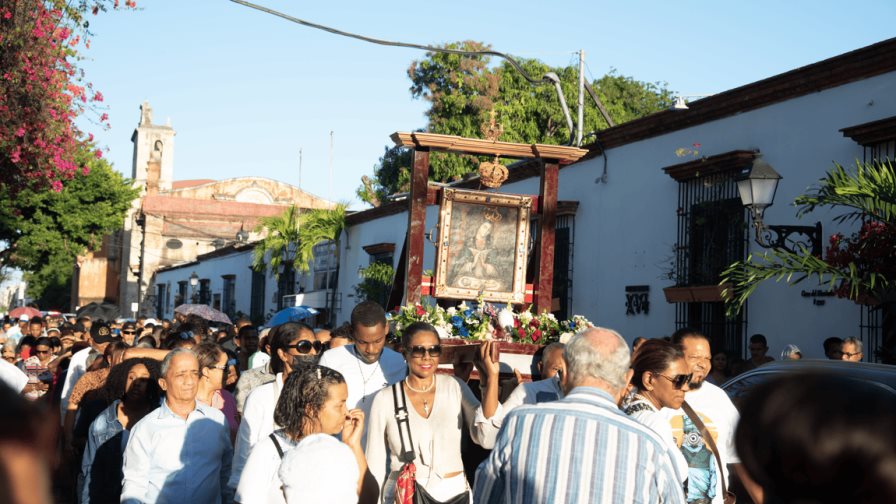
column 101, row 467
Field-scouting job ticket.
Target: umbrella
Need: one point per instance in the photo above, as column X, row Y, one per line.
column 203, row 311
column 24, row 310
column 291, row 314
column 101, row 311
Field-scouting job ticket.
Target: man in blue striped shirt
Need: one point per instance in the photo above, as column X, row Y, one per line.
column 582, row 448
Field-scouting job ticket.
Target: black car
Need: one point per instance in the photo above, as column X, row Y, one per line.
column 882, row 375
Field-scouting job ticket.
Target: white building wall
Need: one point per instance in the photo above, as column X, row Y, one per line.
column 626, row 228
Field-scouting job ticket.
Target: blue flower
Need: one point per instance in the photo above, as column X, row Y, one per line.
column 468, row 313
column 464, row 332
column 572, row 324
column 457, row 321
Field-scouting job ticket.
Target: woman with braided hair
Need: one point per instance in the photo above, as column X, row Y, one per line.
column 312, row 402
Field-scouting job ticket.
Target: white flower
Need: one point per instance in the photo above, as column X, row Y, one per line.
column 463, row 306
column 526, row 317
column 565, row 337
column 505, row 318
column 552, row 317
column 451, row 311
column 443, row 333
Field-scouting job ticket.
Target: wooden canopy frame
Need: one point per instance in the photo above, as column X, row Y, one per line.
column 422, row 194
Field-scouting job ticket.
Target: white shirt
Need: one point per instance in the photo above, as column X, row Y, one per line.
column 12, row 376
column 720, row 417
column 525, row 393
column 257, row 422
column 77, row 366
column 169, row 459
column 320, row 470
column 365, row 380
column 259, row 482
column 258, row 359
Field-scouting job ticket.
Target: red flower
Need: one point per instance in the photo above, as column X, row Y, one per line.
column 533, row 323
column 420, row 311
column 536, row 335
column 516, row 322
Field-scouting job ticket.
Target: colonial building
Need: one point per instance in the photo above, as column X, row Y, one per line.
column 175, row 221
column 652, row 213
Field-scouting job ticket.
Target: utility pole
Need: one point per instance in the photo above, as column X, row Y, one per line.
column 300, row 167
column 581, row 126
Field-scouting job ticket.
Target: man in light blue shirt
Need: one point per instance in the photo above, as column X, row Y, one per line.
column 181, row 451
column 581, row 449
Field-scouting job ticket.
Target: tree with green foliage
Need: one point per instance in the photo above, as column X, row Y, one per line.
column 860, row 267
column 463, row 90
column 376, row 283
column 44, row 231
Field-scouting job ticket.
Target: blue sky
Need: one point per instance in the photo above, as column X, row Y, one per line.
column 245, row 90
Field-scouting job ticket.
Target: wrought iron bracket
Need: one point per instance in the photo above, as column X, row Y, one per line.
column 789, row 238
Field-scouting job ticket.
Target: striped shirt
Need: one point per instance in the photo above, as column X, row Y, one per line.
column 580, row 449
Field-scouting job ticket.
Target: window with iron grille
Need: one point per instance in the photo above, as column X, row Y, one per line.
column 229, row 294
column 712, row 234
column 205, row 291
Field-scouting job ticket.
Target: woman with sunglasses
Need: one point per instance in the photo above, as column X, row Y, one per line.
column 659, row 380
column 293, row 346
column 213, row 371
column 439, row 406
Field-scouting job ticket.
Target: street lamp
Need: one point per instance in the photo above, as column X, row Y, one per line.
column 194, row 281
column 757, row 186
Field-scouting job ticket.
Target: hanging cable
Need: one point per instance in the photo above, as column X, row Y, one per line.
column 546, row 79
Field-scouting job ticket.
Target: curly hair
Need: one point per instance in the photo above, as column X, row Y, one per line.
column 116, row 383
column 304, row 393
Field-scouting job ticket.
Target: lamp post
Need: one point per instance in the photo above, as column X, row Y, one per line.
column 194, row 281
column 757, row 186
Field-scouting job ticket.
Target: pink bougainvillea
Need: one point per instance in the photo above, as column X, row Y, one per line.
column 42, row 90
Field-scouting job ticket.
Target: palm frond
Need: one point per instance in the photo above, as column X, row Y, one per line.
column 869, row 191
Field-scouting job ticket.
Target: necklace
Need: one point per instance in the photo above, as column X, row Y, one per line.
column 361, row 371
column 423, row 391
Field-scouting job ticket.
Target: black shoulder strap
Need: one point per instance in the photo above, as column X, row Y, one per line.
column 707, row 438
column 277, row 445
column 401, row 416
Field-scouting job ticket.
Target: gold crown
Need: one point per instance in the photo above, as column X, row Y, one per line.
column 491, row 214
column 492, row 174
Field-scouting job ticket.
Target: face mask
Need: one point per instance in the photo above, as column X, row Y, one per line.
column 304, row 360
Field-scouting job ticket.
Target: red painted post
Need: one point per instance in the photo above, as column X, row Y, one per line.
column 544, row 277
column 416, row 226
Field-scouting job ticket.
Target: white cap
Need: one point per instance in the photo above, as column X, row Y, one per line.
column 320, row 469
column 24, row 318
column 150, row 321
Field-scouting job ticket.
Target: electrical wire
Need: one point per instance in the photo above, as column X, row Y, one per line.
column 390, row 43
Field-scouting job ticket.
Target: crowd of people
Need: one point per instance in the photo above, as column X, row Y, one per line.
column 177, row 411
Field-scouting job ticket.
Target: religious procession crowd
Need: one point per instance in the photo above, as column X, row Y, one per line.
column 173, row 411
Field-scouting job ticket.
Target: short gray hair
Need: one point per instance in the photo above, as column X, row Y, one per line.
column 855, row 341
column 166, row 362
column 555, row 346
column 585, row 360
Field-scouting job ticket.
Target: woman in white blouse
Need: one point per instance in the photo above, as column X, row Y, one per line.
column 659, row 380
column 439, row 406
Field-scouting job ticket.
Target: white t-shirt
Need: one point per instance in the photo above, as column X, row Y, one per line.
column 257, row 422
column 320, row 469
column 720, row 417
column 12, row 376
column 258, row 359
column 540, row 391
column 365, row 380
column 260, row 483
column 77, row 366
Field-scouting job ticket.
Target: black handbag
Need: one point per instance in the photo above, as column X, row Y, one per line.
column 421, row 496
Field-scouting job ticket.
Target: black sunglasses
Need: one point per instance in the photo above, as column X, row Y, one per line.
column 678, row 381
column 305, row 346
column 420, row 351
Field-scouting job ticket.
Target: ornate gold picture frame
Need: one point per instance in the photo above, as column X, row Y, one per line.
column 483, row 245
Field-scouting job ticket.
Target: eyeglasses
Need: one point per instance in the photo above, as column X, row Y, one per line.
column 850, row 355
column 678, row 381
column 128, row 332
column 44, row 352
column 305, row 346
column 419, row 351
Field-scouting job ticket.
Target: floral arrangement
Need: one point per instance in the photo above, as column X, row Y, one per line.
column 482, row 321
